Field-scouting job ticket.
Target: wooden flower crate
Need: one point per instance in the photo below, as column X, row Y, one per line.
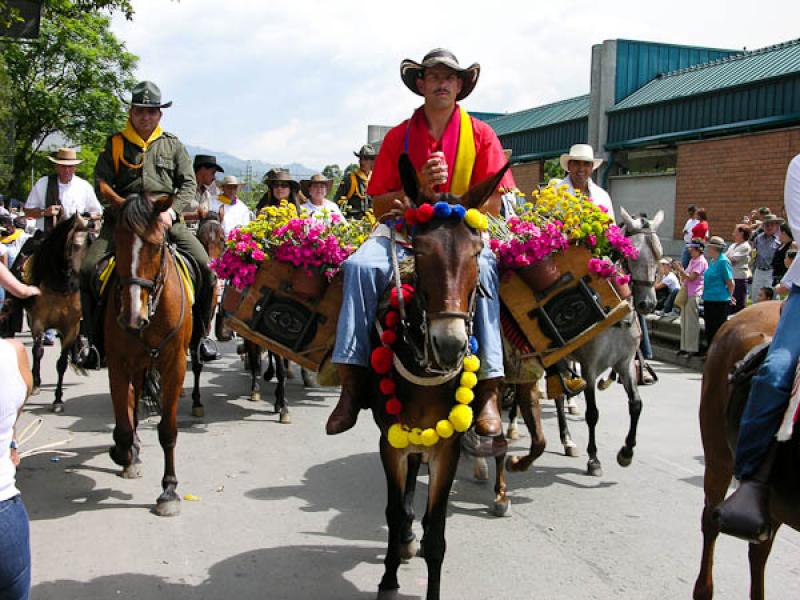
column 273, row 315
column 562, row 318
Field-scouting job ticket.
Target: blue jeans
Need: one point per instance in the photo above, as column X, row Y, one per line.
column 367, row 275
column 15, row 550
column 645, row 346
column 685, row 257
column 770, row 391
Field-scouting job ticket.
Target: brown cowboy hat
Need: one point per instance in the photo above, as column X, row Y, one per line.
column 305, row 184
column 771, row 218
column 66, row 157
column 147, row 94
column 410, row 70
column 280, row 176
column 366, row 151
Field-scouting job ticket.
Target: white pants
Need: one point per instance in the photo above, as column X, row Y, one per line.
column 760, row 279
column 690, row 326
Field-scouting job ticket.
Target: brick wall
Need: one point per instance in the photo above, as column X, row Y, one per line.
column 528, row 175
column 731, row 176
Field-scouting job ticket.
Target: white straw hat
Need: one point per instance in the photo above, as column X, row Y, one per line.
column 582, row 152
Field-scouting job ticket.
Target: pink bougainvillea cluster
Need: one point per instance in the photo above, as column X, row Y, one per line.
column 241, row 259
column 528, row 243
column 313, row 245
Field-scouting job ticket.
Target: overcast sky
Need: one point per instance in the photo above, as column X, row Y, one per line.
column 299, row 81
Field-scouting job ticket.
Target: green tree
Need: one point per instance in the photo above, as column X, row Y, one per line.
column 8, row 14
column 69, row 81
column 6, row 129
column 553, row 170
column 332, row 171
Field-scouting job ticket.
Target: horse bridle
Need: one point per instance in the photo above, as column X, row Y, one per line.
column 645, row 230
column 422, row 355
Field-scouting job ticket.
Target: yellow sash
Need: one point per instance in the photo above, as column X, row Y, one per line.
column 465, row 156
column 225, row 200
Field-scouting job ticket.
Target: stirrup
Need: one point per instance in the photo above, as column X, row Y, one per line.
column 207, row 350
column 88, row 358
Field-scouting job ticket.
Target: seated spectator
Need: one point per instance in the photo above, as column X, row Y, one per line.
column 667, row 287
column 765, row 294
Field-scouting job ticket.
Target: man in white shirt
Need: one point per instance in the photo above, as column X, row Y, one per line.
column 687, row 234
column 232, row 211
column 579, row 164
column 745, row 514
column 61, row 195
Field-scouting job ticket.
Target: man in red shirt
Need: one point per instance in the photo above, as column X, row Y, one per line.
column 451, row 151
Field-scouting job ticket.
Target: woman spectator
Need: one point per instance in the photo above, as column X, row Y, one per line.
column 779, row 267
column 700, row 231
column 280, row 186
column 717, row 288
column 739, row 254
column 316, row 189
column 692, row 278
column 667, row 286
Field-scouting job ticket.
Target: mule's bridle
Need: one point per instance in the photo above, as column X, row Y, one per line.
column 646, row 231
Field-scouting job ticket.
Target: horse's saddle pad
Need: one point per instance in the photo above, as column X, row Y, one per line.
column 106, row 268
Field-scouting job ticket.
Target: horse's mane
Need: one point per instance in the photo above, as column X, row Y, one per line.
column 138, row 214
column 50, row 261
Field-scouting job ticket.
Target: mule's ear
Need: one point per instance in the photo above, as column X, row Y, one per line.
column 657, row 220
column 478, row 194
column 408, row 175
column 627, row 220
column 162, row 203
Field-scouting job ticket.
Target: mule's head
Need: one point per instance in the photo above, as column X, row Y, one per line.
column 211, row 235
column 139, row 240
column 446, row 265
column 77, row 243
column 642, row 233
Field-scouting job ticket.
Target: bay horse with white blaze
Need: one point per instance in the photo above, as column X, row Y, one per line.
column 148, row 325
column 438, row 323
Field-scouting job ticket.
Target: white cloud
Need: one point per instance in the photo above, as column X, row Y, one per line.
column 300, row 81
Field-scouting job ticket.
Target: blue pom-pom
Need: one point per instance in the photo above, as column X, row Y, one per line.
column 473, row 345
column 458, row 211
column 442, row 210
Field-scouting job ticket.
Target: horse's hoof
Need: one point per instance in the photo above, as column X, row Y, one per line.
column 132, row 471
column 624, row 457
column 57, row 407
column 502, row 508
column 570, row 449
column 511, row 464
column 409, row 549
column 594, row 469
column 198, row 411
column 513, row 433
column 481, row 470
column 286, row 418
column 168, row 508
column 255, row 396
column 35, row 390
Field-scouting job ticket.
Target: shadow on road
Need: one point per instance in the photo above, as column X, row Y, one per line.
column 284, row 573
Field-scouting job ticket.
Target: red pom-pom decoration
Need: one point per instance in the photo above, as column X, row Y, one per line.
column 410, row 216
column 394, row 406
column 381, row 360
column 392, row 319
column 399, row 226
column 425, row 213
column 387, row 386
column 388, row 337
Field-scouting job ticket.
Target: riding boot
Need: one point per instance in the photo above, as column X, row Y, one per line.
column 354, row 381
column 88, row 356
column 745, row 513
column 488, row 422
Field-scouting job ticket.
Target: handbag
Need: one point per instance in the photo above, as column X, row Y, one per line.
column 682, row 297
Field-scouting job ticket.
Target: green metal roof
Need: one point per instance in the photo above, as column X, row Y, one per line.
column 740, row 69
column 542, row 116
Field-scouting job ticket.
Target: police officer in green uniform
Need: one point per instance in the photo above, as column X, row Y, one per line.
column 353, row 187
column 143, row 158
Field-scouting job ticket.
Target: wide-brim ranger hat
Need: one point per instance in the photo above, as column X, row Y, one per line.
column 305, row 184
column 582, row 152
column 366, row 151
column 206, row 160
column 231, row 180
column 772, row 218
column 411, row 71
column 280, row 176
column 147, row 95
column 66, row 157
column 717, row 242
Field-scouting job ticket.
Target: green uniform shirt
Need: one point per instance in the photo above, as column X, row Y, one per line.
column 167, row 169
column 354, row 189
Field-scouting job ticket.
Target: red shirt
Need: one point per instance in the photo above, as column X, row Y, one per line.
column 700, row 231
column 489, row 158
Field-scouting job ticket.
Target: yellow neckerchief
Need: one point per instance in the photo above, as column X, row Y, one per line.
column 360, row 174
column 465, row 156
column 225, row 200
column 129, row 133
column 11, row 237
column 357, row 173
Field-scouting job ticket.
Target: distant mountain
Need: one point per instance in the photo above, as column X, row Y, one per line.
column 234, row 165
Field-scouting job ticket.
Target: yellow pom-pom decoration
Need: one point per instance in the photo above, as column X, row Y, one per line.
column 464, row 395
column 444, row 429
column 475, row 219
column 484, row 223
column 471, row 363
column 415, row 436
column 461, row 417
column 429, row 437
column 469, row 380
column 397, row 436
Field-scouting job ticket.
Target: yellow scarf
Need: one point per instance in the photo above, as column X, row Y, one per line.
column 11, row 237
column 465, row 156
column 225, row 200
column 129, row 133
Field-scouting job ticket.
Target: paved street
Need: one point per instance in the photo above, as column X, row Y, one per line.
column 284, row 512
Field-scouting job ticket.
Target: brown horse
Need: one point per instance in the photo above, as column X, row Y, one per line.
column 733, row 341
column 446, row 272
column 148, row 326
column 54, row 267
